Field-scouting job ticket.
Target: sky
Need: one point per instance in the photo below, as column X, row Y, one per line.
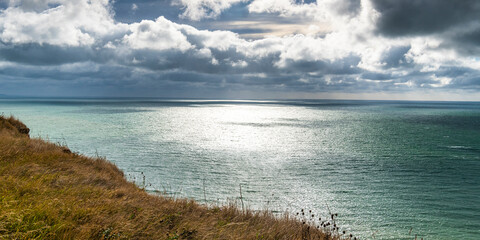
column 241, row 49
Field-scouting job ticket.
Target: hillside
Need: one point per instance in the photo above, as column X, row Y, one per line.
column 48, row 192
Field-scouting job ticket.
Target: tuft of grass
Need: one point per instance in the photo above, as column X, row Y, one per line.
column 48, row 192
column 14, row 124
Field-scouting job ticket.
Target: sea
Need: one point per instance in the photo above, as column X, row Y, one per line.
column 389, row 169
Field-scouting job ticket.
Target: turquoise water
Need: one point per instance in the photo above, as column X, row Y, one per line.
column 389, row 169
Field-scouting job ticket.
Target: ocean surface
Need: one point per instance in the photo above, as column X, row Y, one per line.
column 389, row 169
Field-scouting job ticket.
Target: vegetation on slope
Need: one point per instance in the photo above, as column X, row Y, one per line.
column 47, row 192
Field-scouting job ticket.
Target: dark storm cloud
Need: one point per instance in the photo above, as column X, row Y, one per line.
column 344, row 66
column 72, row 72
column 45, row 54
column 419, row 17
column 462, row 77
column 472, row 37
column 471, row 82
column 188, row 61
column 465, row 42
column 455, row 23
column 376, row 76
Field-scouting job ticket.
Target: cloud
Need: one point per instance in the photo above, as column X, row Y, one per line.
column 324, row 10
column 288, row 8
column 414, row 17
column 456, row 25
column 44, row 54
column 159, row 35
column 257, row 29
column 70, row 44
column 199, row 9
column 59, row 22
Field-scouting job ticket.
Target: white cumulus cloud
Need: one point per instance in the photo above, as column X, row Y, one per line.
column 160, row 34
column 60, row 22
column 200, row 9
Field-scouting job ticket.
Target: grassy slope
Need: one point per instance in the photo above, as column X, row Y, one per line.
column 46, row 192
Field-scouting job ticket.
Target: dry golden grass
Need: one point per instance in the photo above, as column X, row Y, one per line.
column 47, row 192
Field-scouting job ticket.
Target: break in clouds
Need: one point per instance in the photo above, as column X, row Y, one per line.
column 265, row 48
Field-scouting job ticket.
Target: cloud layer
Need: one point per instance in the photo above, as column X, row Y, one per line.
column 351, row 46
